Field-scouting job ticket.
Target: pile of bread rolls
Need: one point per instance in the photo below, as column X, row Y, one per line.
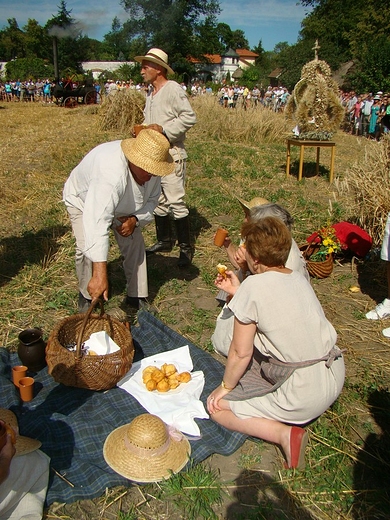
column 164, row 378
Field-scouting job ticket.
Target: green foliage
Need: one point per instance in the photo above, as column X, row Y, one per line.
column 251, row 76
column 29, row 68
column 194, row 492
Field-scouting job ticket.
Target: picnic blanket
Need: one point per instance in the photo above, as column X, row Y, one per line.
column 73, row 423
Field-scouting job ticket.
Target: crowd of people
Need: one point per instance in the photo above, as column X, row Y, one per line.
column 367, row 114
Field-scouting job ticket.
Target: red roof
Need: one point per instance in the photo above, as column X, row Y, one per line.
column 244, row 53
column 211, row 58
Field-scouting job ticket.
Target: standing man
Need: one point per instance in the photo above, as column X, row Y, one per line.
column 117, row 186
column 168, row 111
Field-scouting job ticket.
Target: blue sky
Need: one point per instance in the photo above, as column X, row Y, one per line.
column 271, row 21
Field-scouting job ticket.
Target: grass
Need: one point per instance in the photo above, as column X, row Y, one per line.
column 230, row 154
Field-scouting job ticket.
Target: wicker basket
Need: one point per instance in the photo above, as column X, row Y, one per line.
column 86, row 371
column 317, row 269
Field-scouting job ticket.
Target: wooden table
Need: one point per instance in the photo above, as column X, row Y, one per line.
column 303, row 143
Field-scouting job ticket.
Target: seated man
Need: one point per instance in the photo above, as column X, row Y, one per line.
column 24, row 476
column 223, row 333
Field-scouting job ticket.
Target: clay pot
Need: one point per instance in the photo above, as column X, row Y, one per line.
column 31, row 349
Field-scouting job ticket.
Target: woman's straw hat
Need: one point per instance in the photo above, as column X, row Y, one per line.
column 146, row 450
column 23, row 445
column 156, row 56
column 149, row 151
column 247, row 206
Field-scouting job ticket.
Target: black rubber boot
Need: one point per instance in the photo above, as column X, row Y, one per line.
column 163, row 233
column 183, row 239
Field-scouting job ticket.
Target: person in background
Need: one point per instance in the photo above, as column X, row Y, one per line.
column 284, row 368
column 169, row 111
column 382, row 310
column 116, row 186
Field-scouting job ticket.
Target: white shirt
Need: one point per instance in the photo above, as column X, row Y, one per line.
column 102, row 187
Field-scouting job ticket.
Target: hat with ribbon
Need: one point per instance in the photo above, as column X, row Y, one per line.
column 23, row 445
column 149, row 151
column 146, row 450
column 156, row 56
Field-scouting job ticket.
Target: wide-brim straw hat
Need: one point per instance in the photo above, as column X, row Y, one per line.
column 146, row 450
column 23, row 444
column 156, row 56
column 149, row 151
column 248, row 205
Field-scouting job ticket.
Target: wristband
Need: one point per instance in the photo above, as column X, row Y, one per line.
column 226, row 387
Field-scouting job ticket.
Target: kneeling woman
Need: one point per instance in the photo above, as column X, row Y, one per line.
column 283, row 368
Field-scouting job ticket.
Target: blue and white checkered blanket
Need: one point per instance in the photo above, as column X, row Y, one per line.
column 73, row 423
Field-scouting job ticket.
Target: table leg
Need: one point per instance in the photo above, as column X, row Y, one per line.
column 331, row 173
column 288, row 159
column 318, row 161
column 301, row 162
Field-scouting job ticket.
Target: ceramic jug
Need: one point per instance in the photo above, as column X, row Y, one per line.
column 31, row 349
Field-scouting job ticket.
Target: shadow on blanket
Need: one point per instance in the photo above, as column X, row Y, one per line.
column 73, row 423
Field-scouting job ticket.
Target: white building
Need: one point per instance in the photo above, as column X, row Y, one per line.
column 97, row 67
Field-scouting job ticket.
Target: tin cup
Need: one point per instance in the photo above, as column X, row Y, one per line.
column 17, row 373
column 219, row 237
column 26, row 388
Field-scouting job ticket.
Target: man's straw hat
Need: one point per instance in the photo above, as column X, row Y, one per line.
column 146, row 450
column 247, row 206
column 156, row 56
column 149, row 151
column 23, row 445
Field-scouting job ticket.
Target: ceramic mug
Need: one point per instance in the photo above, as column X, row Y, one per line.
column 26, row 388
column 220, row 236
column 17, row 373
column 137, row 129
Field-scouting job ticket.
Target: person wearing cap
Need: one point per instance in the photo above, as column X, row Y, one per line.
column 169, row 111
column 255, row 210
column 116, row 186
column 24, row 474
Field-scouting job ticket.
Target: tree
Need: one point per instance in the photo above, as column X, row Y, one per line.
column 37, row 42
column 239, row 40
column 12, row 41
column 72, row 46
column 29, row 68
column 168, row 24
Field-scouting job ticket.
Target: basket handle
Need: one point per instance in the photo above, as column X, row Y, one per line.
column 86, row 318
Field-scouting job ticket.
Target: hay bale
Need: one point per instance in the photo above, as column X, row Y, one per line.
column 369, row 182
column 121, row 110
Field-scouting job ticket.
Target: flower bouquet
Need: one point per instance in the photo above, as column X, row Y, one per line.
column 320, row 250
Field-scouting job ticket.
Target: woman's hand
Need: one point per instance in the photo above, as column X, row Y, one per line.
column 240, row 259
column 229, row 283
column 214, row 398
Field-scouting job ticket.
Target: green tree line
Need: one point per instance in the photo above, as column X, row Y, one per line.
column 348, row 31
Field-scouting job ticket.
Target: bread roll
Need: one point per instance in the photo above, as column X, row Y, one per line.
column 222, row 269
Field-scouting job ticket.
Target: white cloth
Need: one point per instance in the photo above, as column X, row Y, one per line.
column 223, row 333
column 101, row 343
column 23, row 493
column 292, row 327
column 385, row 251
column 177, row 407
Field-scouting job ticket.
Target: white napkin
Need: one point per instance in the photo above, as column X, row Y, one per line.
column 177, row 407
column 101, row 343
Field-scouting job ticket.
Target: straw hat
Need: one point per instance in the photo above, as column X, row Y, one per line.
column 156, row 56
column 146, row 450
column 23, row 445
column 149, row 151
column 247, row 206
